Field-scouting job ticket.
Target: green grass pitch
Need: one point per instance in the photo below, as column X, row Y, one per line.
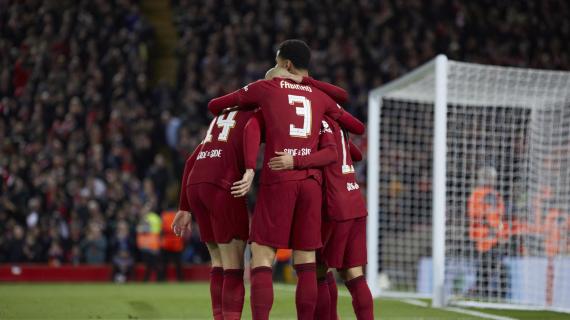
column 185, row 301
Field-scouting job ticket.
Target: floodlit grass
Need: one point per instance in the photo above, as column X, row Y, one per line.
column 184, row 301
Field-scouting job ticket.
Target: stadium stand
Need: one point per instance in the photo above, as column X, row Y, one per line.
column 81, row 127
column 79, row 131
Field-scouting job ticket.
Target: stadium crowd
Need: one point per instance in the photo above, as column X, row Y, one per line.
column 80, row 131
column 82, row 128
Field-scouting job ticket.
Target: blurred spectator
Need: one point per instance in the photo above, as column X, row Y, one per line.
column 15, row 245
column 94, row 246
column 55, row 254
column 171, row 246
column 488, row 230
column 148, row 240
column 122, row 248
column 551, row 224
column 158, row 173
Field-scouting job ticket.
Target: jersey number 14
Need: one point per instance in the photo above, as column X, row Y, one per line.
column 226, row 122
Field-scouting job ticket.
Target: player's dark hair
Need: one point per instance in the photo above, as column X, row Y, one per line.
column 297, row 51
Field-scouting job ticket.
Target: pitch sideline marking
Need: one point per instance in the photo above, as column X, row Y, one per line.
column 415, row 302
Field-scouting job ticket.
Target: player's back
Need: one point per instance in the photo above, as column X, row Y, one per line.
column 220, row 159
column 343, row 199
column 293, row 114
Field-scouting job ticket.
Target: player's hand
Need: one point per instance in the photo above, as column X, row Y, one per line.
column 241, row 188
column 182, row 223
column 284, row 161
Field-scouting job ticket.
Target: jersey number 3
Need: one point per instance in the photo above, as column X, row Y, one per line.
column 303, row 110
column 226, row 122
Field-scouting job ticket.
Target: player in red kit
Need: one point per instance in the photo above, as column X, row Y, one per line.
column 223, row 219
column 343, row 232
column 287, row 214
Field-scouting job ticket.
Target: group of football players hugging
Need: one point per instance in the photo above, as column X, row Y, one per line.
column 308, row 198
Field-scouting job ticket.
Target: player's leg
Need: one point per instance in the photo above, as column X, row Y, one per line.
column 196, row 194
column 333, row 292
column 270, row 228
column 335, row 239
column 327, row 291
column 230, row 222
column 362, row 301
column 233, row 291
column 323, row 308
column 306, row 294
column 262, row 258
column 216, row 280
column 305, row 239
column 353, row 270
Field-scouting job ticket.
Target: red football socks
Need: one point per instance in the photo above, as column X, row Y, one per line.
column 323, row 308
column 216, row 283
column 361, row 298
column 261, row 292
column 233, row 294
column 306, row 293
column 333, row 292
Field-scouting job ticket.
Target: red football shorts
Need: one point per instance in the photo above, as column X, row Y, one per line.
column 221, row 217
column 288, row 215
column 344, row 243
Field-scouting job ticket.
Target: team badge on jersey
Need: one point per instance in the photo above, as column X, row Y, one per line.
column 325, row 128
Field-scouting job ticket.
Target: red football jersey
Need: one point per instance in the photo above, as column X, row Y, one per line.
column 292, row 113
column 343, row 199
column 220, row 157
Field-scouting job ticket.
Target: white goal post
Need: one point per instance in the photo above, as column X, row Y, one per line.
column 468, row 186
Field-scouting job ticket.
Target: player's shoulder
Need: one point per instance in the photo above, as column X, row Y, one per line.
column 256, row 85
column 331, row 123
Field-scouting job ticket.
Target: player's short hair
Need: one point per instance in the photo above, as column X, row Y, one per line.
column 297, row 51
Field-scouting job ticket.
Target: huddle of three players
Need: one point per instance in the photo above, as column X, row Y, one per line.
column 308, row 197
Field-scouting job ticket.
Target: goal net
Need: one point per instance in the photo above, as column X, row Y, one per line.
column 469, row 186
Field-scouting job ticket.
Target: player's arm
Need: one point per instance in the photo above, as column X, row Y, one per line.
column 251, row 141
column 338, row 94
column 355, row 152
column 344, row 118
column 182, row 222
column 246, row 98
column 253, row 130
column 326, row 155
column 183, row 204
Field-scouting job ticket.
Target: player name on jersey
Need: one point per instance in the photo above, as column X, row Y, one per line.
column 298, row 152
column 215, row 153
column 288, row 85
